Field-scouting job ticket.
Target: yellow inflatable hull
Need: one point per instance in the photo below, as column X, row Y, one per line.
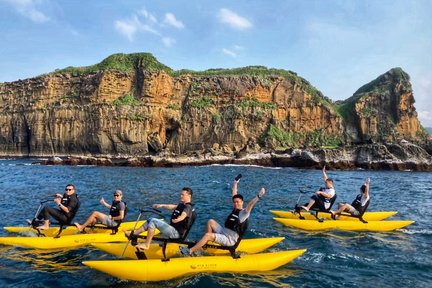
column 249, row 246
column 385, row 225
column 69, row 230
column 158, row 270
column 368, row 216
column 64, row 242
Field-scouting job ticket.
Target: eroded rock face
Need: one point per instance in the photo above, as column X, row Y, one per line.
column 385, row 110
column 151, row 113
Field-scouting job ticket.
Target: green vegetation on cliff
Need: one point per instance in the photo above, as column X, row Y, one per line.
column 315, row 138
column 381, row 85
column 132, row 62
column 127, row 99
column 384, row 83
column 122, row 63
column 264, row 75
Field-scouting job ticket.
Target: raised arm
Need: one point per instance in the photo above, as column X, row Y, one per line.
column 103, row 202
column 235, row 187
column 324, row 173
column 252, row 203
column 367, row 182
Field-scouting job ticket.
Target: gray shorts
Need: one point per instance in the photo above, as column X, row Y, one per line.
column 353, row 211
column 109, row 222
column 165, row 229
column 225, row 236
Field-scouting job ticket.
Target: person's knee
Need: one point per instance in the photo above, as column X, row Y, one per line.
column 208, row 237
column 152, row 224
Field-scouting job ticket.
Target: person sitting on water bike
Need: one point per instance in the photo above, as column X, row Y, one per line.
column 358, row 206
column 235, row 224
column 68, row 204
column 115, row 217
column 179, row 220
column 322, row 199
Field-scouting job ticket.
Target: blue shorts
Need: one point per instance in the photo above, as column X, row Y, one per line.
column 165, row 229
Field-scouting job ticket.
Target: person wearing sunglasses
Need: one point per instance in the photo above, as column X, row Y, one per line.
column 113, row 219
column 68, row 205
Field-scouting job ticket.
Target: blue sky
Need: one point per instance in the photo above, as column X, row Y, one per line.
column 337, row 45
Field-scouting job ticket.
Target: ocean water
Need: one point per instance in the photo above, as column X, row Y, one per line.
column 334, row 258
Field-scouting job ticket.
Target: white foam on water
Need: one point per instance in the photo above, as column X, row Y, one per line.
column 412, row 232
column 244, row 165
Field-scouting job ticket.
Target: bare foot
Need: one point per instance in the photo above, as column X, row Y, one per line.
column 79, row 227
column 332, row 214
column 143, row 246
column 127, row 233
column 304, row 208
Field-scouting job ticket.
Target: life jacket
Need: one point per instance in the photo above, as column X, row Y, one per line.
column 183, row 225
column 65, row 202
column 328, row 202
column 233, row 222
column 115, row 209
column 358, row 205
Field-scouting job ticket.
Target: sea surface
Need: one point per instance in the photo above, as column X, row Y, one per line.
column 400, row 258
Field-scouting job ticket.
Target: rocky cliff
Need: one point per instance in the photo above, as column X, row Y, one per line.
column 133, row 106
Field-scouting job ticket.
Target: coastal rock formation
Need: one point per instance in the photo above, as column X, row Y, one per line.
column 133, row 106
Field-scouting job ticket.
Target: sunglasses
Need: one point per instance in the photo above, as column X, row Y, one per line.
column 117, row 195
column 67, row 189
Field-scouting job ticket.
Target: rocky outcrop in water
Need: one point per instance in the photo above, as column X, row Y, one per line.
column 133, row 107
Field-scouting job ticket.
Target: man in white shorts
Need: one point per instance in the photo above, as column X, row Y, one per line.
column 235, row 224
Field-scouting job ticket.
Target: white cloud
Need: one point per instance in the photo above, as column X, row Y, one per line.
column 167, row 41
column 145, row 22
column 227, row 16
column 229, row 52
column 234, row 51
column 170, row 19
column 148, row 16
column 28, row 9
column 127, row 28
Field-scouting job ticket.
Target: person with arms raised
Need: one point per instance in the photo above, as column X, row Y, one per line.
column 358, row 206
column 324, row 198
column 235, row 224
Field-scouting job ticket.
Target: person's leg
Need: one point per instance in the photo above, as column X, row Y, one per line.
column 206, row 237
column 212, row 226
column 164, row 228
column 310, row 204
column 342, row 207
column 137, row 231
column 54, row 213
column 93, row 218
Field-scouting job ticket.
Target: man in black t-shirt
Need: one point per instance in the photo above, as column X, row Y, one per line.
column 178, row 224
column 68, row 204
